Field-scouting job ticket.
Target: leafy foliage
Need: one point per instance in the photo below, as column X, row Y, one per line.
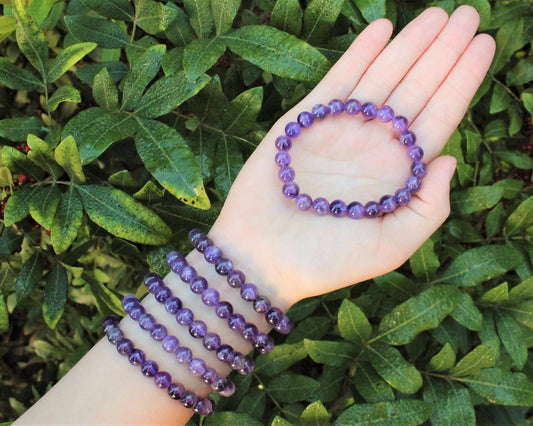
column 125, row 119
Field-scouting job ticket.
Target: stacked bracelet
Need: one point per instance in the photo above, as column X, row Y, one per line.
column 339, row 208
column 149, row 368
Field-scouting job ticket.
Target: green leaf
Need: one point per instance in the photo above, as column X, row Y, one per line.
column 149, row 192
column 280, row 359
column 314, row 414
column 393, row 368
column 169, row 159
column 17, row 162
column 521, row 73
column 67, row 220
column 467, row 314
column 224, row 12
column 43, row 204
column 55, row 295
column 104, row 90
column 481, row 356
column 121, row 10
column 522, row 291
column 97, row 29
column 498, row 294
column 141, row 73
column 18, row 129
column 17, row 78
column 201, row 54
column 330, row 353
column 228, row 163
column 520, row 219
column 313, row 327
column 18, row 205
column 41, row 154
column 502, row 387
column 352, row 322
column 419, row 313
column 253, row 403
column 10, row 240
column 443, row 360
column 476, row 198
column 31, row 39
column 405, row 412
column 29, row 275
column 495, row 220
column 292, row 387
column 501, row 99
column 123, row 178
column 179, row 31
column 512, row 338
column 473, row 142
column 168, row 93
column 8, row 24
column 319, row 19
column 231, row 418
column 523, row 313
column 63, row 94
column 511, row 187
column 481, row 264
column 450, row 402
column 4, row 315
column 508, row 40
column 371, row 386
column 95, row 129
column 104, row 294
column 287, row 16
column 117, row 71
column 517, row 159
column 120, row 215
column 153, row 17
column 371, row 9
column 424, row 262
column 280, row 53
column 68, row 57
column 240, row 115
column 200, row 17
column 67, row 156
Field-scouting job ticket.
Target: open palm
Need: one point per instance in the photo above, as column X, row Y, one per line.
column 428, row 73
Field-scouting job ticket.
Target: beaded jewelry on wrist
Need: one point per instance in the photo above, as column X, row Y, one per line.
column 339, row 208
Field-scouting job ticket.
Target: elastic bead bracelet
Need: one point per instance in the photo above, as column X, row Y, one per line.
column 171, row 344
column 200, row 405
column 185, row 317
column 236, row 279
column 338, row 208
column 211, row 297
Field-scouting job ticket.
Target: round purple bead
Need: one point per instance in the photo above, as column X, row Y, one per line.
column 153, row 280
column 225, row 387
column 173, row 305
column 203, row 407
column 203, row 243
column 184, row 316
column 419, row 169
column 338, row 208
column 284, row 326
column 352, row 106
column 162, row 293
column 212, row 254
column 210, row 376
column 235, row 279
column 249, row 333
column 336, row 106
column 198, row 285
column 211, row 341
column 264, row 343
column 129, row 302
column 225, row 354
column 387, row 204
column 248, row 366
column 238, row 361
column 236, row 322
column 188, row 273
column 385, row 114
column 170, row 343
column 320, row 206
column 400, row 123
column 136, row 357
column 283, row 143
column 210, row 297
column 197, row 329
column 305, row 119
column 303, row 202
column 413, row 184
column 262, row 304
column 407, row 138
column 249, row 292
column 197, row 366
column 372, row 209
column 149, row 368
column 110, row 321
column 183, row 355
column 290, row 190
column 286, row 174
column 402, row 196
column 355, row 210
column 175, row 262
column 194, row 235
column 224, row 266
column 293, row 129
column 162, row 380
column 189, row 399
column 136, row 312
column 320, row 111
column 158, row 332
column 282, row 159
column 273, row 316
column 415, row 153
column 369, row 110
column 176, row 391
column 114, row 335
column 125, row 346
column 224, row 309
column 147, row 321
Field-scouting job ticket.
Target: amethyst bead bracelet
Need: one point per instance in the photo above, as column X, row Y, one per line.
column 339, row 208
column 236, row 279
column 150, row 368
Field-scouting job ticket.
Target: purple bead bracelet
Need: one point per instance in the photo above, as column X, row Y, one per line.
column 339, row 208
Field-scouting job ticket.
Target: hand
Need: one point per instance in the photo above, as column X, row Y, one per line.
column 428, row 73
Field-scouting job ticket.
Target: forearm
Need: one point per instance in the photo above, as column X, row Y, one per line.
column 103, row 388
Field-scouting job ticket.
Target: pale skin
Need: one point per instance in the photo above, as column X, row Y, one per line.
column 428, row 73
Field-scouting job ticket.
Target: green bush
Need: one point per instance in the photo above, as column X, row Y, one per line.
column 125, row 124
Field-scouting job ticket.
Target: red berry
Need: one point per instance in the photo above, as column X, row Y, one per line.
column 23, row 178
